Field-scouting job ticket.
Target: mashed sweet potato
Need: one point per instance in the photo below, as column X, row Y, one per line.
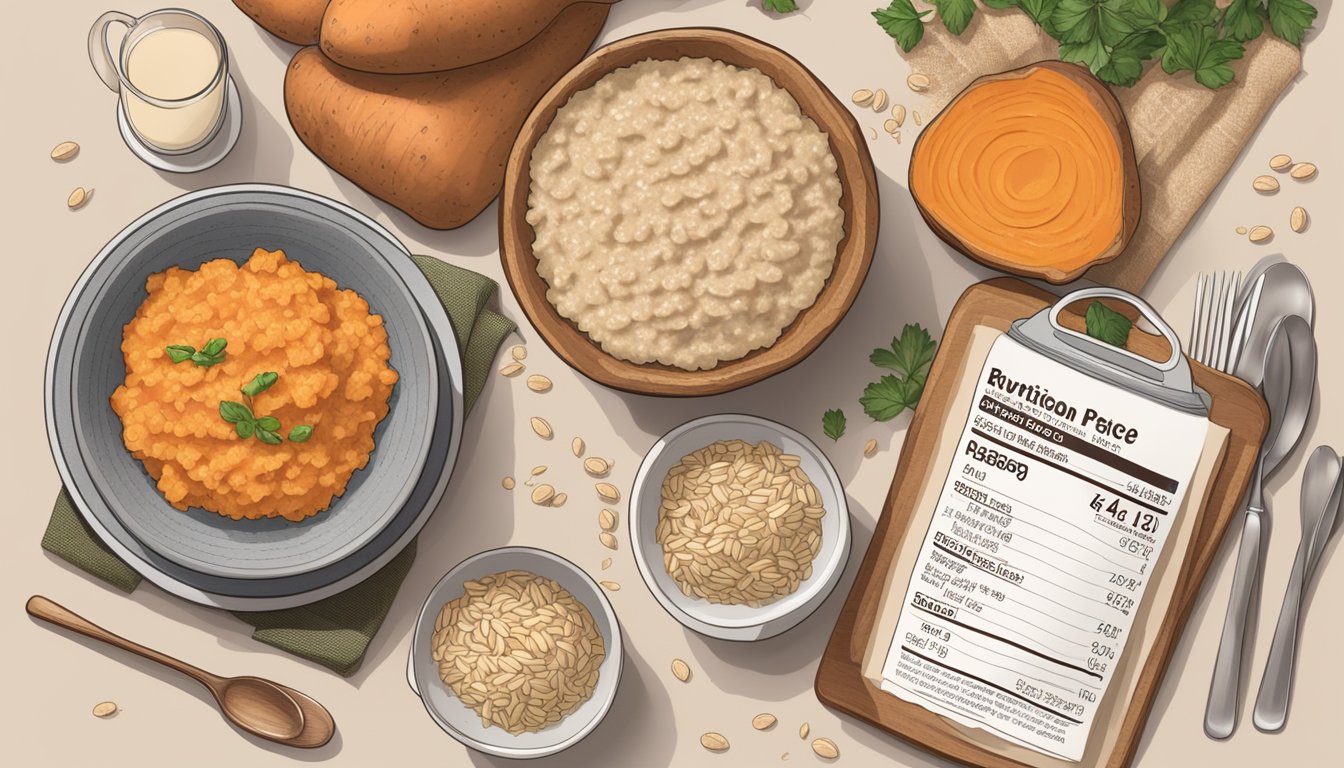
column 330, row 354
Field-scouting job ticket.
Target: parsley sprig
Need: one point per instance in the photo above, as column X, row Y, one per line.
column 1107, row 325
column 265, row 428
column 208, row 355
column 909, row 356
column 780, row 6
column 833, row 423
column 1116, row 38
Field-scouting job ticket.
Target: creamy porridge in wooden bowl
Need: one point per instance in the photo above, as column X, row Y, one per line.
column 687, row 212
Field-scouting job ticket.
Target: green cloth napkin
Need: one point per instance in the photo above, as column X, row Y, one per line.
column 334, row 632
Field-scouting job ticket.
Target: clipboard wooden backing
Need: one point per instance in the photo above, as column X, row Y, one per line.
column 997, row 303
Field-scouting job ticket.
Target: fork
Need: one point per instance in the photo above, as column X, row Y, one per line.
column 1210, row 340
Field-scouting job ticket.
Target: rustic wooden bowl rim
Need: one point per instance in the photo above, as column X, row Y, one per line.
column 854, row 254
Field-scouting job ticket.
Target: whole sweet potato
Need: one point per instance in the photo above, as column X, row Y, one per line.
column 294, row 20
column 412, row 36
column 433, row 145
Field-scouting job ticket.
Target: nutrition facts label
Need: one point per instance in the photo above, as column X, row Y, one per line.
column 1055, row 510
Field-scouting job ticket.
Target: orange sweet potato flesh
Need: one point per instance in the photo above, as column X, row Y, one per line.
column 412, row 36
column 294, row 20
column 433, row 145
column 1031, row 171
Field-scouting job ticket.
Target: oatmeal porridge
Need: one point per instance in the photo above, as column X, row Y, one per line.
column 685, row 212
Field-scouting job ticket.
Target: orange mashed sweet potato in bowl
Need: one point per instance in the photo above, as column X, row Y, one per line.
column 253, row 390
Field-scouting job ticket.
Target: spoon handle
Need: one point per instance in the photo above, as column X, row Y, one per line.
column 41, row 608
column 1271, row 703
column 1220, row 714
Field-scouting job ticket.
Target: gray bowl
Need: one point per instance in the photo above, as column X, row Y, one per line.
column 459, row 720
column 230, row 223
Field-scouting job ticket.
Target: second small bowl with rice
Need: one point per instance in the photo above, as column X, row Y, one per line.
column 739, row 526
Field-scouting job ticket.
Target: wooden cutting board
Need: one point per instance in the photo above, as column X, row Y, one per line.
column 840, row 682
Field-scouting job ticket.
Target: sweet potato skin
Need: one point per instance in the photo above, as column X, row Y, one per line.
column 296, row 21
column 433, row 145
column 415, row 36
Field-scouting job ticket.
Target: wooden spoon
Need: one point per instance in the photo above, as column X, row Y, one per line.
column 260, row 707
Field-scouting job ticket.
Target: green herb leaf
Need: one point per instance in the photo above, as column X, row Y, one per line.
column 1091, row 54
column 204, row 360
column 179, row 352
column 1290, row 19
column 1245, row 19
column 1000, row 4
column 1145, row 14
column 1126, row 61
column 833, row 423
column 268, row 423
column 268, row 437
column 1107, row 325
column 1197, row 48
column 1197, row 11
column 1082, row 21
column 260, row 383
column 234, row 413
column 956, row 14
column 884, row 399
column 903, row 22
column 1041, row 12
column 300, row 434
column 780, row 6
column 214, row 347
column 910, row 353
column 245, row 428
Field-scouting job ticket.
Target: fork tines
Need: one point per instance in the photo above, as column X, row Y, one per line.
column 1214, row 316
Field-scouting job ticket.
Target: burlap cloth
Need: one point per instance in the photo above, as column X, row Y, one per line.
column 1186, row 136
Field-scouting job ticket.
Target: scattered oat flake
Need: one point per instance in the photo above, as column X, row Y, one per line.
column 519, row 352
column 1303, row 171
column 78, row 198
column 890, row 126
column 538, row 383
column 560, row 499
column 543, row 494
column 511, row 369
column 1265, row 184
column 64, row 151
column 1261, row 234
column 1298, row 219
column 897, row 137
column 825, row 748
column 577, row 447
column 607, row 539
column 918, row 120
column 714, row 742
column 803, row 730
column 918, row 82
column 870, row 448
column 611, row 585
column 607, row 492
column 872, row 133
column 507, row 482
column 880, row 100
column 862, row 97
column 542, row 427
column 764, row 721
column 1241, row 230
column 537, row 470
column 596, row 467
column 681, row 670
column 607, row 519
column 1280, row 163
column 606, row 563
column 105, row 709
column 898, row 114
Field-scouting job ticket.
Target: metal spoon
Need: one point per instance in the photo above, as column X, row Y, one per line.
column 1322, row 484
column 258, row 706
column 1276, row 290
column 1289, row 383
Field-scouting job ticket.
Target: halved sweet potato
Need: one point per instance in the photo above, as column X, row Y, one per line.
column 415, row 36
column 1030, row 171
column 433, row 145
column 294, row 20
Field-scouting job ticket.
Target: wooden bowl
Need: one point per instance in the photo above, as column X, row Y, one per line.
column 858, row 200
column 1106, row 105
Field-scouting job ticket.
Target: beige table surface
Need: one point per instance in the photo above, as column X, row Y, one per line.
column 52, row 681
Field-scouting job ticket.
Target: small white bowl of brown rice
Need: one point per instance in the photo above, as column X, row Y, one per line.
column 739, row 526
column 516, row 653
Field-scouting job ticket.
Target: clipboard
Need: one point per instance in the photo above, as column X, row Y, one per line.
column 841, row 684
